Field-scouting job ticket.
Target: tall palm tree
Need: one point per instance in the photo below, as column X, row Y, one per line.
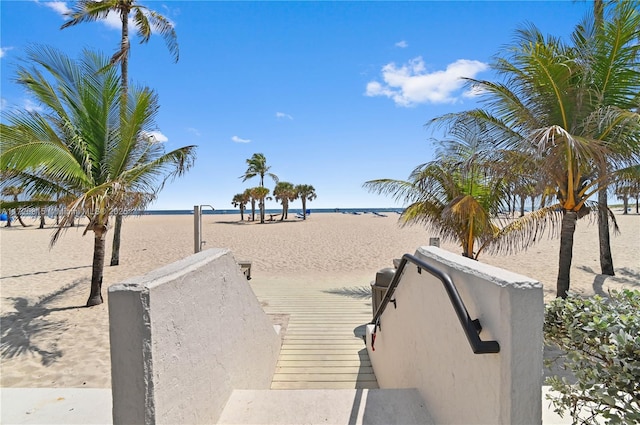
column 257, row 166
column 561, row 105
column 607, row 83
column 146, row 21
column 306, row 192
column 240, row 201
column 83, row 146
column 13, row 192
column 285, row 192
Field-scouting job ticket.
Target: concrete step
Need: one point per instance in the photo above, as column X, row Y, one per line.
column 326, row 407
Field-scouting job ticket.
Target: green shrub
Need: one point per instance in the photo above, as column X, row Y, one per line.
column 601, row 337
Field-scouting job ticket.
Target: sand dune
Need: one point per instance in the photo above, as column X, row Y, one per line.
column 49, row 340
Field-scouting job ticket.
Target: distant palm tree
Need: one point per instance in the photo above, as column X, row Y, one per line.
column 285, row 192
column 249, row 193
column 82, row 145
column 40, row 200
column 257, row 166
column 306, row 192
column 146, row 21
column 14, row 191
column 628, row 186
column 240, row 201
column 260, row 194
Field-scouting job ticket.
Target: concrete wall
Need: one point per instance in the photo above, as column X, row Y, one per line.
column 183, row 337
column 421, row 343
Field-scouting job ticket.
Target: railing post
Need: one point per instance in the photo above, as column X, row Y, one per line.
column 197, row 229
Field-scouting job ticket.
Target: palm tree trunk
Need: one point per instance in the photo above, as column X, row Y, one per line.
column 8, row 218
column 568, row 229
column 115, row 247
column 625, row 203
column 19, row 217
column 304, row 208
column 261, row 211
column 15, row 198
column 241, row 212
column 42, row 223
column 99, row 242
column 606, row 260
column 124, row 88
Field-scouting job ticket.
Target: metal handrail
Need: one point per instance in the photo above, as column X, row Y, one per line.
column 471, row 328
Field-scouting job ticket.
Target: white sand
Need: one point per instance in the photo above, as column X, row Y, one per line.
column 49, row 340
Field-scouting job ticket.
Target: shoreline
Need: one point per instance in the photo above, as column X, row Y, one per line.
column 50, row 340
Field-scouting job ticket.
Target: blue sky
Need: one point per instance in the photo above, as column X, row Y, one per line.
column 333, row 93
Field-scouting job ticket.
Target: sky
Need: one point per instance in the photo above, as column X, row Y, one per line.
column 332, row 93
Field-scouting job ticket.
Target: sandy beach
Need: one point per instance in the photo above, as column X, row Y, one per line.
column 50, row 340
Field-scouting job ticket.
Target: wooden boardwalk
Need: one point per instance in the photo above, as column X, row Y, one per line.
column 323, row 346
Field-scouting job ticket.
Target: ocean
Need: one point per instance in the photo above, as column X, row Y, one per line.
column 293, row 211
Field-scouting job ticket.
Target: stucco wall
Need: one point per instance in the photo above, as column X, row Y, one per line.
column 183, row 337
column 421, row 343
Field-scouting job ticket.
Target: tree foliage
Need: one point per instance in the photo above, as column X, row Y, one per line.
column 83, row 146
column 602, row 340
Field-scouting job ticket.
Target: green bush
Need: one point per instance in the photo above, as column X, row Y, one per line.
column 601, row 337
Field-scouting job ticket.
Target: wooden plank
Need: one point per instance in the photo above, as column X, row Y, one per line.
column 323, row 385
column 323, row 363
column 317, row 356
column 320, row 349
column 324, row 377
column 323, row 369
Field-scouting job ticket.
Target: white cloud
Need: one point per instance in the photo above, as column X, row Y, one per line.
column 31, row 106
column 281, row 115
column 113, row 21
column 402, row 44
column 239, row 140
column 59, row 7
column 3, row 103
column 4, row 50
column 194, row 131
column 411, row 83
column 155, row 136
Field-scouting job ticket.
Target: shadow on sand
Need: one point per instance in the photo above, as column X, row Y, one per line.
column 357, row 292
column 21, row 328
column 45, row 272
column 624, row 276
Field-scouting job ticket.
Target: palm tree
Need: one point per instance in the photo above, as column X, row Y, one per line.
column 306, row 192
column 457, row 196
column 13, row 191
column 260, row 194
column 40, row 200
column 560, row 105
column 146, row 21
column 240, row 201
column 84, row 147
column 257, row 166
column 285, row 192
column 628, row 186
column 249, row 193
